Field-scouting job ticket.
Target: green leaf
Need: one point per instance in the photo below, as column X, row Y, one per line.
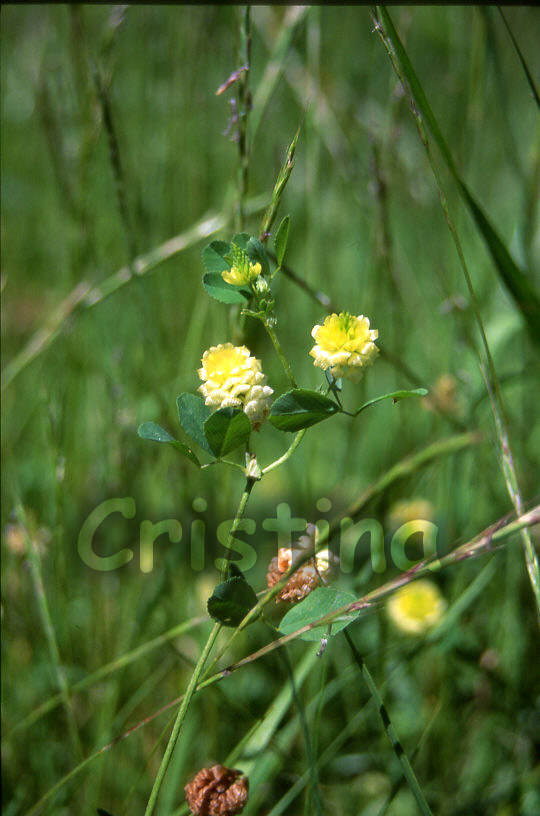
column 231, row 601
column 227, row 429
column 214, row 256
column 193, row 413
column 395, row 396
column 241, row 239
column 257, row 254
column 301, row 408
column 223, row 291
column 321, row 601
column 154, row 432
column 280, row 241
column 517, row 282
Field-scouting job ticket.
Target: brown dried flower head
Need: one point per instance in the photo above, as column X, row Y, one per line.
column 217, row 791
column 312, row 574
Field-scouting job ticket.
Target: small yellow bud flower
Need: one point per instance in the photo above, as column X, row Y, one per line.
column 345, row 344
column 232, row 378
column 417, row 607
column 242, row 274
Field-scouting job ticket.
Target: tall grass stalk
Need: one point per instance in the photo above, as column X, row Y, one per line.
column 408, row 79
column 179, row 721
column 399, row 751
column 50, row 634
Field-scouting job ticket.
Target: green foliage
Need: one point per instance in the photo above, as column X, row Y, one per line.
column 231, row 601
column 154, row 432
column 519, row 285
column 301, row 408
column 227, row 429
column 193, row 413
column 280, row 241
column 223, row 291
column 321, row 601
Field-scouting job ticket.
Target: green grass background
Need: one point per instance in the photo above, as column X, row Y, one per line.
column 70, row 416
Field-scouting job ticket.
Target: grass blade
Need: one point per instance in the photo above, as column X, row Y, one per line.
column 514, row 279
column 50, row 634
column 399, row 751
column 520, row 285
column 528, row 74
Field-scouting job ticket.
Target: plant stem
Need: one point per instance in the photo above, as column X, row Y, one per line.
column 50, row 634
column 406, row 766
column 282, row 459
column 243, row 102
column 180, row 717
column 236, row 524
column 201, row 662
column 279, row 351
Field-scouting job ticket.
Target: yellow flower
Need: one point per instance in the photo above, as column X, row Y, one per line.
column 244, row 273
column 232, row 378
column 345, row 344
column 417, row 607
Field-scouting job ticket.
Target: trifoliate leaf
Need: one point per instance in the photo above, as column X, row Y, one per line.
column 227, row 429
column 154, row 432
column 223, row 291
column 193, row 413
column 321, row 601
column 214, row 259
column 231, row 601
column 301, row 408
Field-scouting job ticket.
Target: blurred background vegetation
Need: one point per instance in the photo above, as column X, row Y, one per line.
column 367, row 229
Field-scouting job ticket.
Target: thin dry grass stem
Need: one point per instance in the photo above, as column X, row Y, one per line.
column 473, row 549
column 85, row 295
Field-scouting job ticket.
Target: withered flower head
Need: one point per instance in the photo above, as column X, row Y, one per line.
column 217, row 791
column 315, row 572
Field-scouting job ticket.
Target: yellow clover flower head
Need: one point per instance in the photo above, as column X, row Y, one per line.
column 232, row 378
column 345, row 344
column 243, row 271
column 417, row 607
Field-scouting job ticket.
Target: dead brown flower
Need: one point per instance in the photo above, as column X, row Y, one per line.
column 217, row 791
column 299, row 584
